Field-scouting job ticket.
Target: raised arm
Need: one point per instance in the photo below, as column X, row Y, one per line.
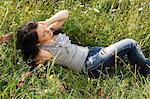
column 57, row 20
column 60, row 16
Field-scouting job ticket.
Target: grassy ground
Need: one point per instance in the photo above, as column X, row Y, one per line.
column 91, row 22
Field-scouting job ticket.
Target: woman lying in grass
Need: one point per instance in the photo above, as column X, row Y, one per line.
column 42, row 41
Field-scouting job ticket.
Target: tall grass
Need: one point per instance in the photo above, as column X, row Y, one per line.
column 91, row 23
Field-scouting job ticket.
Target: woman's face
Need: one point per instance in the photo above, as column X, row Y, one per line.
column 44, row 33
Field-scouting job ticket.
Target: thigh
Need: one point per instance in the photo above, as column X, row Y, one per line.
column 106, row 56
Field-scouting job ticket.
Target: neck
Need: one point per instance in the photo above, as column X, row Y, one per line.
column 48, row 40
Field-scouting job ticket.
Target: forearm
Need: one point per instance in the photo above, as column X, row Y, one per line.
column 61, row 15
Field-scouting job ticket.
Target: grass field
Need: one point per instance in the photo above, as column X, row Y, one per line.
column 91, row 23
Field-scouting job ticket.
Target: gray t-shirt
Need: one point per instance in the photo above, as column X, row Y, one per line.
column 67, row 54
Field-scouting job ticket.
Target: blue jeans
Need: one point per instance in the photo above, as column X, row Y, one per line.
column 99, row 57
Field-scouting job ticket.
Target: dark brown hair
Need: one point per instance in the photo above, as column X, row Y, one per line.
column 27, row 38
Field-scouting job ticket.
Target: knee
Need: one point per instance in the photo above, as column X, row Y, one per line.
column 130, row 41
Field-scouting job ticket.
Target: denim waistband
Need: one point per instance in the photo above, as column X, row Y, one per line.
column 93, row 51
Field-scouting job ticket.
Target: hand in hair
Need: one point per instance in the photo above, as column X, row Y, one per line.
column 6, row 38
